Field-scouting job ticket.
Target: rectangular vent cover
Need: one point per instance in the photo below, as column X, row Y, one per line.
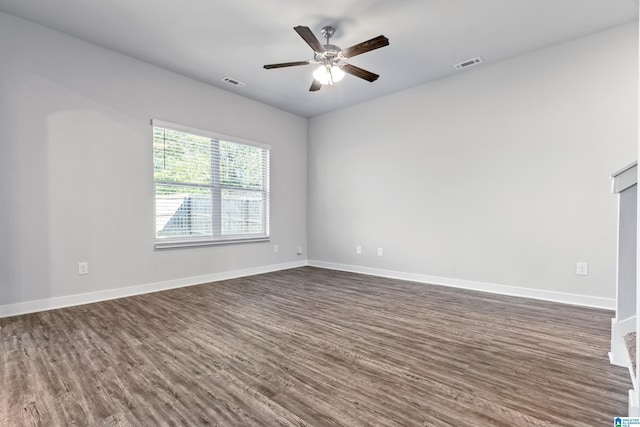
column 468, row 63
column 232, row 81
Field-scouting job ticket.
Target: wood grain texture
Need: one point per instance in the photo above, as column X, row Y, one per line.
column 360, row 48
column 360, row 72
column 311, row 347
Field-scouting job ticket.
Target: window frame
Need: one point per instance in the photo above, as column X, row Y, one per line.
column 216, row 190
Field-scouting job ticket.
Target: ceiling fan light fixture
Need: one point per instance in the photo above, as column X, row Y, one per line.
column 336, row 74
column 328, row 74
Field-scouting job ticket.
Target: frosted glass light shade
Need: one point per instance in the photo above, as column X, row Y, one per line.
column 336, row 74
column 328, row 75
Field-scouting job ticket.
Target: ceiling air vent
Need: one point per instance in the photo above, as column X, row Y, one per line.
column 468, row 63
column 232, row 81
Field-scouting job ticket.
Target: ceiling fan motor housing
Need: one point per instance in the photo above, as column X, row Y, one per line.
column 332, row 54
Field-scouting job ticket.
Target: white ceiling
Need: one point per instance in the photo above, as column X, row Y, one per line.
column 210, row 39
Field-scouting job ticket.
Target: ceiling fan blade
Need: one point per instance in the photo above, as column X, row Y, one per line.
column 286, row 64
column 307, row 35
column 374, row 43
column 316, row 85
column 360, row 72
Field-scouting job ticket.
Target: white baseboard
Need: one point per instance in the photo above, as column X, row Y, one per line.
column 573, row 299
column 91, row 297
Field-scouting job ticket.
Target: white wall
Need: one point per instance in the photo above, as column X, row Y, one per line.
column 499, row 174
column 76, row 167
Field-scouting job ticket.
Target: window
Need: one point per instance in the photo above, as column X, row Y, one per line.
column 208, row 188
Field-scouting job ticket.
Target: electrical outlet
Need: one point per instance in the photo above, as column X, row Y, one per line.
column 83, row 268
column 276, row 249
column 299, row 250
column 380, row 252
column 582, row 269
column 358, row 250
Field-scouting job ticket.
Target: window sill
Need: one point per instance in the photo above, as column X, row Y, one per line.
column 176, row 244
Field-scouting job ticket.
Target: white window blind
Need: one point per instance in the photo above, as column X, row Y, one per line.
column 208, row 188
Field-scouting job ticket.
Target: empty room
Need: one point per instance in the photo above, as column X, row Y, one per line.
column 345, row 213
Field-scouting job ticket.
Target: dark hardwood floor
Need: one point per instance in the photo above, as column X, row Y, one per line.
column 311, row 347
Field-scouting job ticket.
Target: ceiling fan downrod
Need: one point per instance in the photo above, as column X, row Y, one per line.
column 331, row 55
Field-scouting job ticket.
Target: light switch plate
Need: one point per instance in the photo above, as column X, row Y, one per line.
column 582, row 269
column 83, row 268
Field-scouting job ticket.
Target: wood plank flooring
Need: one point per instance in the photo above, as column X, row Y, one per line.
column 311, row 347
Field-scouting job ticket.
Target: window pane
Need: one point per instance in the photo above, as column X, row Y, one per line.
column 240, row 165
column 182, row 211
column 181, row 157
column 208, row 190
column 242, row 212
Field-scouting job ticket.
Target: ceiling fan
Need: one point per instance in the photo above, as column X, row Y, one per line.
column 332, row 59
